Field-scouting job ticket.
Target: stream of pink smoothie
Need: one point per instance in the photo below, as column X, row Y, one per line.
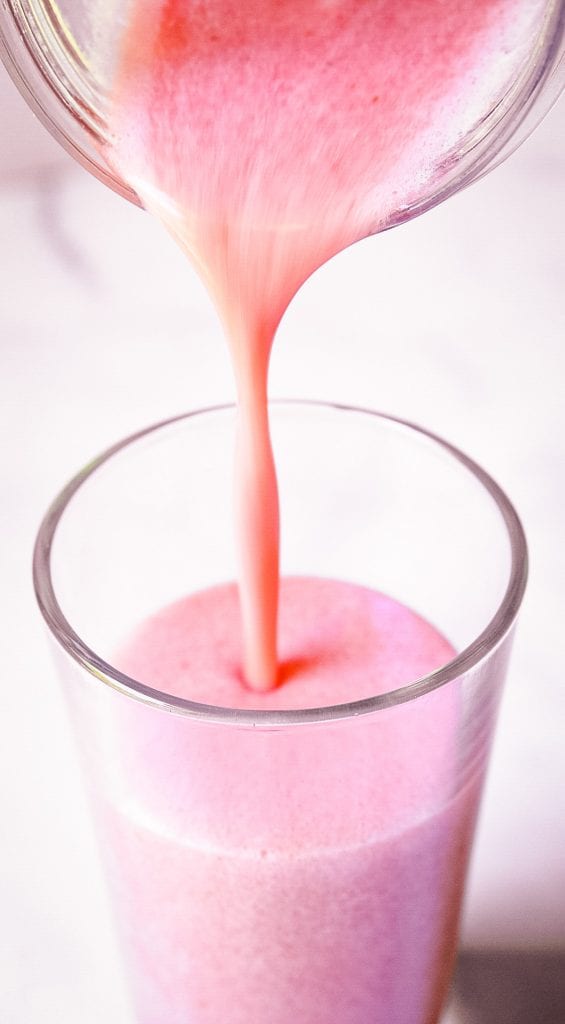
column 267, row 135
column 313, row 875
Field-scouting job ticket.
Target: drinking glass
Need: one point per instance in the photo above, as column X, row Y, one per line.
column 278, row 865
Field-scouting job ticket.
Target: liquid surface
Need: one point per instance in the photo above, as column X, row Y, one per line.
column 338, row 643
column 267, row 137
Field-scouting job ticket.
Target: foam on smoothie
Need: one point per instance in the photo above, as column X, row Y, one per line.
column 338, row 642
column 267, row 136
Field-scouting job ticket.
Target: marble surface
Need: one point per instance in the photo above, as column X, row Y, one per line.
column 455, row 321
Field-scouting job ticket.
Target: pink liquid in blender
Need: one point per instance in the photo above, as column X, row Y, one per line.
column 320, row 884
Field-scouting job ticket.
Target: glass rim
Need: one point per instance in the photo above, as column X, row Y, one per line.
column 469, row 658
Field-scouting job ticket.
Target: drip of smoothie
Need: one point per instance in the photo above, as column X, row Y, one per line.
column 311, row 874
column 267, row 135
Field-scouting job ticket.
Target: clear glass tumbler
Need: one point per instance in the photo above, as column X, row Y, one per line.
column 279, row 866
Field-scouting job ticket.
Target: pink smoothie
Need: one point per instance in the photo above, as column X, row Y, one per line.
column 309, row 874
column 269, row 135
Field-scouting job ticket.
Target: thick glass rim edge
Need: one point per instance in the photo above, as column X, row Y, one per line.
column 476, row 652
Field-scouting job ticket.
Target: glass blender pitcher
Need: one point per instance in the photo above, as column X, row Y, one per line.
column 63, row 56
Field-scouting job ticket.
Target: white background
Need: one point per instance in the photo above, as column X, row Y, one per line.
column 455, row 321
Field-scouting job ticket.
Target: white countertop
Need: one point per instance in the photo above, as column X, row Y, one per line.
column 456, row 321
